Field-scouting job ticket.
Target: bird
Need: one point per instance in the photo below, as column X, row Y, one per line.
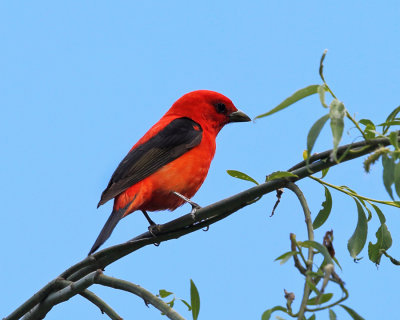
column 167, row 166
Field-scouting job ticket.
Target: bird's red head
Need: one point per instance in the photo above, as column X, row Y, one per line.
column 208, row 108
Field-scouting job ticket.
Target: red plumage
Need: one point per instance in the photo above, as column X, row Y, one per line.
column 173, row 156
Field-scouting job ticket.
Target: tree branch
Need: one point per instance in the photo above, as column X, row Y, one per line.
column 147, row 296
column 204, row 217
column 310, row 230
column 40, row 311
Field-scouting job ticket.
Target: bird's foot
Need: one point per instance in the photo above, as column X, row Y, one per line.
column 153, row 228
column 194, row 205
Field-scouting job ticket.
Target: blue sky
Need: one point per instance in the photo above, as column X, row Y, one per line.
column 82, row 82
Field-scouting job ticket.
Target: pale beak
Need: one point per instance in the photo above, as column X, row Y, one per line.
column 238, row 116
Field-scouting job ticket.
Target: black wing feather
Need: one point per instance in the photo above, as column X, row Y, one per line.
column 174, row 140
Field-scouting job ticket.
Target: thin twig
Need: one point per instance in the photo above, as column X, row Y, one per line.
column 97, row 301
column 40, row 311
column 307, row 216
column 147, row 296
column 101, row 304
column 33, row 301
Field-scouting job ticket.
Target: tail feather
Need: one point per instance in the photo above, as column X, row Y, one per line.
column 107, row 229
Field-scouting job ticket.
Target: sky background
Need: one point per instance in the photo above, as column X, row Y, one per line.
column 81, row 82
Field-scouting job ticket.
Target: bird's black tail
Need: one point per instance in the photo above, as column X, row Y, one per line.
column 107, row 229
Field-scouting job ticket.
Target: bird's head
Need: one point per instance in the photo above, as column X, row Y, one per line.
column 208, row 108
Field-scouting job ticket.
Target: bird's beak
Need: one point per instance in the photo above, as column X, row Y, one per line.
column 238, row 116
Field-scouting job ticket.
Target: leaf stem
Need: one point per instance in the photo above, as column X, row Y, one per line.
column 352, row 194
column 356, row 124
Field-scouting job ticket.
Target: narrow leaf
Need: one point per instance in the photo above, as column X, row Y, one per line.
column 323, row 214
column 312, row 317
column 286, row 256
column 367, row 122
column 332, row 315
column 384, row 241
column 352, row 313
column 321, row 65
column 315, row 131
column 321, row 248
column 324, row 173
column 164, row 293
column 298, row 95
column 357, row 241
column 336, row 113
column 320, row 300
column 280, row 174
column 390, row 117
column 241, row 175
column 389, row 123
column 388, row 174
column 321, row 93
column 380, row 214
column 187, row 304
column 393, row 136
column 397, row 178
column 267, row 313
column 194, row 300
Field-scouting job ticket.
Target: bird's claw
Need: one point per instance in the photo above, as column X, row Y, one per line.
column 154, row 229
column 194, row 205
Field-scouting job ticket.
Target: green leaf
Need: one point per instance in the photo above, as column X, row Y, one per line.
column 321, row 93
column 388, row 174
column 369, row 132
column 194, row 300
column 322, row 299
column 286, row 256
column 323, row 214
column 393, row 137
column 357, row 241
column 187, row 304
column 384, row 241
column 324, row 173
column 312, row 317
column 280, row 174
column 241, row 175
column 366, row 122
column 337, row 262
column 336, row 113
column 397, row 178
column 321, row 65
column 391, row 117
column 370, row 129
column 352, row 313
column 380, row 214
column 267, row 313
column 298, row 95
column 312, row 286
column 164, row 293
column 315, row 131
column 332, row 315
column 171, row 303
column 390, row 123
column 321, row 248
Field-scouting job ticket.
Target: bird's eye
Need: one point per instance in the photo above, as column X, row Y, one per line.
column 220, row 107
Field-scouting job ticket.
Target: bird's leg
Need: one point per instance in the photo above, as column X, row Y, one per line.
column 153, row 226
column 194, row 205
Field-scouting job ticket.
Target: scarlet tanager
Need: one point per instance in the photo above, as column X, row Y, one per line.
column 171, row 161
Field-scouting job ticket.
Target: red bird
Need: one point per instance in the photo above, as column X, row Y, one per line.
column 170, row 162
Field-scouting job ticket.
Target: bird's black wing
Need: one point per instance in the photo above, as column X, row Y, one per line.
column 174, row 140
